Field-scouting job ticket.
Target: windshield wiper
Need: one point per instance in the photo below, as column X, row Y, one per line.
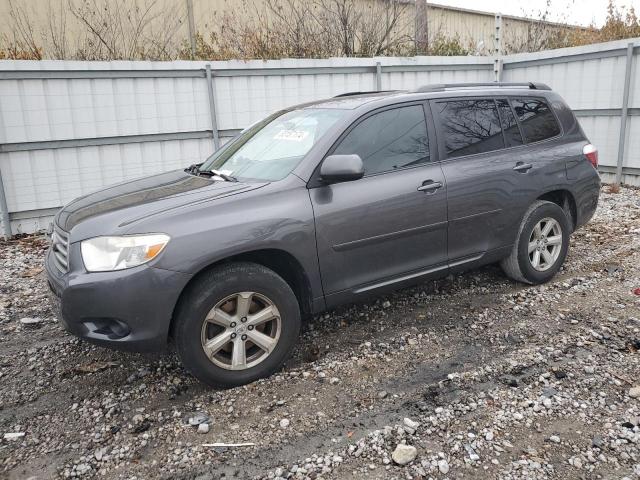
column 217, row 173
column 195, row 170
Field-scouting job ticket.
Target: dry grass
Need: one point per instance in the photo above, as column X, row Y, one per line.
column 613, row 188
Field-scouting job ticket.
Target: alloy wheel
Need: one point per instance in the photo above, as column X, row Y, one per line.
column 241, row 330
column 545, row 244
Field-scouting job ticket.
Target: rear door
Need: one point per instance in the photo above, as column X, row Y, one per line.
column 391, row 224
column 479, row 141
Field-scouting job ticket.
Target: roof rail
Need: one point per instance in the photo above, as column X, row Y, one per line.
column 349, row 94
column 441, row 87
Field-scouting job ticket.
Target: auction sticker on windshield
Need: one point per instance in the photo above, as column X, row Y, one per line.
column 293, row 135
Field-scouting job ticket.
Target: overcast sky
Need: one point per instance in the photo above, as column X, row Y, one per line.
column 580, row 12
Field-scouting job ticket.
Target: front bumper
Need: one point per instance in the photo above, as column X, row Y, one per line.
column 128, row 309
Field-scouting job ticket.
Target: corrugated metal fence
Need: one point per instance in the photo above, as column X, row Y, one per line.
column 68, row 128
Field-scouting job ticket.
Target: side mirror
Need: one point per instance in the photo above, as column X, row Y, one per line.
column 341, row 168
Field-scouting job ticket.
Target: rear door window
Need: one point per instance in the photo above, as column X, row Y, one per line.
column 512, row 136
column 470, row 126
column 389, row 140
column 537, row 121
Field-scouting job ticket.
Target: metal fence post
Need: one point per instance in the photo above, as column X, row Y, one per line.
column 378, row 76
column 497, row 40
column 192, row 28
column 624, row 113
column 212, row 109
column 6, row 223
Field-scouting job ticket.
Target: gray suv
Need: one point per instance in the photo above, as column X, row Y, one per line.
column 317, row 205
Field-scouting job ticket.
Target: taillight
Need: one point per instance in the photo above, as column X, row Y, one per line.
column 591, row 152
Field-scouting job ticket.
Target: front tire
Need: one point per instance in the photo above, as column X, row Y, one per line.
column 238, row 323
column 541, row 246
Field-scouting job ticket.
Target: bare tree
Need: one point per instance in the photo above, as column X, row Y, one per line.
column 309, row 29
column 23, row 35
column 122, row 29
column 57, row 28
column 155, row 30
column 354, row 27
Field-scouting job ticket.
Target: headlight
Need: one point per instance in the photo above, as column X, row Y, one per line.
column 103, row 254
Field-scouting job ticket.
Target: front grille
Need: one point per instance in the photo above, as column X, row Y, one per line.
column 60, row 248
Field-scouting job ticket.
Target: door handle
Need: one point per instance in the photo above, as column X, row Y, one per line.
column 522, row 167
column 429, row 186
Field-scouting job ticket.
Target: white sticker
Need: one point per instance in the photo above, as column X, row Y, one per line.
column 292, row 135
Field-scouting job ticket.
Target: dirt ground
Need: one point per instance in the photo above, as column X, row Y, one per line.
column 474, row 376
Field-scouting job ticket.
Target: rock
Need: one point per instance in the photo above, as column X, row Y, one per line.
column 554, row 439
column 518, row 416
column 589, row 369
column 197, row 418
column 634, row 392
column 203, row 428
column 410, row 423
column 404, row 454
column 141, row 427
column 597, row 441
column 13, row 436
column 205, row 476
column 382, row 394
column 489, row 436
column 443, row 466
column 560, row 374
column 31, row 320
column 547, row 403
column 386, row 304
column 334, row 380
column 612, row 268
column 284, row 423
column 512, row 382
column 473, row 456
column 628, row 425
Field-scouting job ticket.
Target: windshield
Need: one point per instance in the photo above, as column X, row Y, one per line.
column 272, row 148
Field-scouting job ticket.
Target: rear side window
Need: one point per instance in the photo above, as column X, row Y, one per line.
column 389, row 140
column 536, row 119
column 470, row 126
column 510, row 128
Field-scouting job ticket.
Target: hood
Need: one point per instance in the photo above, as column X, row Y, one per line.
column 144, row 197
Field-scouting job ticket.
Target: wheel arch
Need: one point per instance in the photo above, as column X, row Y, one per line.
column 565, row 199
column 280, row 261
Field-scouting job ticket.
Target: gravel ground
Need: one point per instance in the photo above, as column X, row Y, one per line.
column 472, row 376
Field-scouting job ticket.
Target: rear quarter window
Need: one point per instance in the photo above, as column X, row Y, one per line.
column 537, row 121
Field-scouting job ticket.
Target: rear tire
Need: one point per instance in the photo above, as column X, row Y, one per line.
column 222, row 313
column 541, row 245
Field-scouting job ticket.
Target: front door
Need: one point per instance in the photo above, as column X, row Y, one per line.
column 390, row 225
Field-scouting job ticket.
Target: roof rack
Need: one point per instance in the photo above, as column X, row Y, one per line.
column 441, row 87
column 349, row 94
